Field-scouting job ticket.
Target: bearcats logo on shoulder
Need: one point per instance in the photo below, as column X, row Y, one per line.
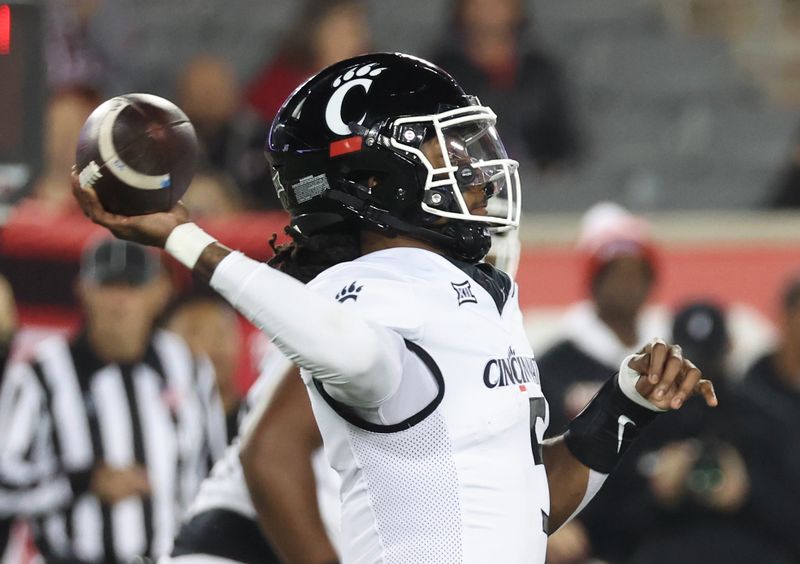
column 358, row 77
column 349, row 293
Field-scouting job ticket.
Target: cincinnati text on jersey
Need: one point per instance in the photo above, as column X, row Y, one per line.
column 510, row 371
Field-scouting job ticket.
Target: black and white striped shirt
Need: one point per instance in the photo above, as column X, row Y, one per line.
column 67, row 410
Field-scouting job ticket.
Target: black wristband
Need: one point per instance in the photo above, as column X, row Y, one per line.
column 603, row 431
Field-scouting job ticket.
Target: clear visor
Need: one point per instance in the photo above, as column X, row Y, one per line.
column 467, row 165
column 505, row 252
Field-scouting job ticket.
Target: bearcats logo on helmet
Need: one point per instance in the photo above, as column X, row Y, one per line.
column 343, row 84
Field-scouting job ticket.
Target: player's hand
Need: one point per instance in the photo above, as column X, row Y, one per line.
column 151, row 229
column 112, row 485
column 667, row 379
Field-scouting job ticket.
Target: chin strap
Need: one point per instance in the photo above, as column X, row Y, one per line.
column 472, row 239
column 466, row 241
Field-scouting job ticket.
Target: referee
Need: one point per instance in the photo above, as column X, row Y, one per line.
column 8, row 330
column 106, row 439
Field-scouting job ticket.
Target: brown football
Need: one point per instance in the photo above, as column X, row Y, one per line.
column 139, row 152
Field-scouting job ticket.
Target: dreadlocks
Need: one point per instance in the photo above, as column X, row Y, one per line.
column 306, row 256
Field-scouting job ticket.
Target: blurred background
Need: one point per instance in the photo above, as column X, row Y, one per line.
column 686, row 113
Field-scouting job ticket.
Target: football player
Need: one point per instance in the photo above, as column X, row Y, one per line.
column 413, row 352
column 295, row 488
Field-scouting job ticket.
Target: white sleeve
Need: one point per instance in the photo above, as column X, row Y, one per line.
column 359, row 362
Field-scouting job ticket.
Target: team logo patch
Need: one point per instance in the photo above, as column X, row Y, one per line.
column 359, row 77
column 464, row 292
column 349, row 293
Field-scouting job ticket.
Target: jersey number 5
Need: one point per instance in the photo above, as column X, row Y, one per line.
column 538, row 413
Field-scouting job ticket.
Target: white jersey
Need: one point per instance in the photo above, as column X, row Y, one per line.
column 460, row 480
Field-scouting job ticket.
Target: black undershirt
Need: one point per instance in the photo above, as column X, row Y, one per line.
column 496, row 282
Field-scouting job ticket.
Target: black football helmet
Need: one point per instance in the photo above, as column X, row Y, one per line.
column 394, row 141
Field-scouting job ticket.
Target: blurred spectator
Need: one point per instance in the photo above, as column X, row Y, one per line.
column 775, row 380
column 722, row 483
column 487, row 52
column 325, row 31
column 212, row 193
column 776, row 375
column 107, row 438
column 209, row 94
column 569, row 545
column 786, row 191
column 72, row 58
column 620, row 269
column 66, row 113
column 230, row 134
column 8, row 329
column 210, row 327
column 8, row 323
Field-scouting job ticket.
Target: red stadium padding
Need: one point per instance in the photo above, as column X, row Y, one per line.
column 753, row 273
column 32, row 232
column 548, row 276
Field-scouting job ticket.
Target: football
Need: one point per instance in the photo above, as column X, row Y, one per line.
column 139, row 153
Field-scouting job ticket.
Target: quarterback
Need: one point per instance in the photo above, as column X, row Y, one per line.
column 273, row 478
column 413, row 352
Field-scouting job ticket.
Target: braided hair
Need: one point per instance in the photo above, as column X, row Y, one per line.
column 306, row 256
